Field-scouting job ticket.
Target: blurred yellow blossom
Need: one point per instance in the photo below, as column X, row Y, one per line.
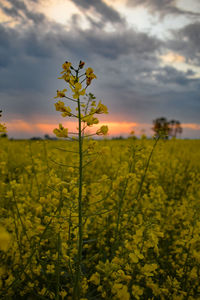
column 101, row 109
column 66, row 110
column 95, row 278
column 5, row 239
column 61, row 94
column 61, row 132
column 103, row 130
column 2, row 128
column 66, row 66
column 77, row 90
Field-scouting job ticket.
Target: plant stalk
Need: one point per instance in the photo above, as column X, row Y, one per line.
column 76, row 291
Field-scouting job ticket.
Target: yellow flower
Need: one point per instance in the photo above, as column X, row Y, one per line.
column 137, row 291
column 61, row 132
column 101, row 109
column 4, row 239
column 66, row 76
column 77, row 90
column 66, row 66
column 89, row 73
column 63, row 294
column 73, row 80
column 50, row 269
column 2, row 128
column 66, row 110
column 61, row 94
column 95, row 278
column 133, row 258
column 90, row 120
column 103, row 130
column 121, row 291
column 149, row 269
column 90, row 76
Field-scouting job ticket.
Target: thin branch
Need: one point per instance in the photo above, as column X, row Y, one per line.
column 63, row 165
column 70, row 99
column 65, row 150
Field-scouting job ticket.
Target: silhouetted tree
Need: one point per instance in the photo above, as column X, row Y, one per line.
column 166, row 128
column 175, row 128
column 161, row 127
column 47, row 137
column 35, row 138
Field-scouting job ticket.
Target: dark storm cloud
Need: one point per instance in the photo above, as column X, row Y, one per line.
column 183, row 105
column 107, row 13
column 30, row 59
column 139, row 105
column 36, row 41
column 15, row 46
column 8, row 45
column 187, row 42
column 112, row 45
column 162, row 7
column 171, row 75
column 126, row 62
column 19, row 10
column 33, row 59
column 126, row 42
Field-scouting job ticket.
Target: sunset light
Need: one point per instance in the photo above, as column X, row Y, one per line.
column 99, row 149
column 145, row 56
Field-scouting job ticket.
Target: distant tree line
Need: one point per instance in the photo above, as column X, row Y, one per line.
column 46, row 137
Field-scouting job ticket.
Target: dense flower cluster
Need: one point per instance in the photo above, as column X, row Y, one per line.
column 141, row 233
column 76, row 78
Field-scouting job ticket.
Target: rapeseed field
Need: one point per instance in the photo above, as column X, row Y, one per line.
column 98, row 219
column 141, row 226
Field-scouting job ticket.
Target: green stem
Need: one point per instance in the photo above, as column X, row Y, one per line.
column 59, row 251
column 146, row 168
column 34, row 170
column 58, row 267
column 119, row 213
column 76, row 291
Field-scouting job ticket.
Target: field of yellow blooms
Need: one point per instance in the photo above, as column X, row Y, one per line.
column 141, row 219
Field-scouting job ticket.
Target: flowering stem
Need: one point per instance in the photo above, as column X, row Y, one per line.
column 146, row 168
column 76, row 291
column 59, row 244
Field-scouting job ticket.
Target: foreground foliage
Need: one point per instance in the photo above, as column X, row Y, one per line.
column 141, row 227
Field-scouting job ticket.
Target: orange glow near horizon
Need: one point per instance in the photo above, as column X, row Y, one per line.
column 192, row 126
column 19, row 126
column 115, row 128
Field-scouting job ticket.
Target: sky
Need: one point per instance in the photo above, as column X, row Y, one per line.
column 145, row 53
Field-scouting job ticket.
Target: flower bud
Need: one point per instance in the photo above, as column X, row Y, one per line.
column 81, row 64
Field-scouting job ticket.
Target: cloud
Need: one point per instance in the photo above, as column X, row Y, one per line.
column 34, row 51
column 162, row 7
column 169, row 74
column 126, row 42
column 172, row 57
column 131, row 80
column 18, row 10
column 187, row 42
column 106, row 12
